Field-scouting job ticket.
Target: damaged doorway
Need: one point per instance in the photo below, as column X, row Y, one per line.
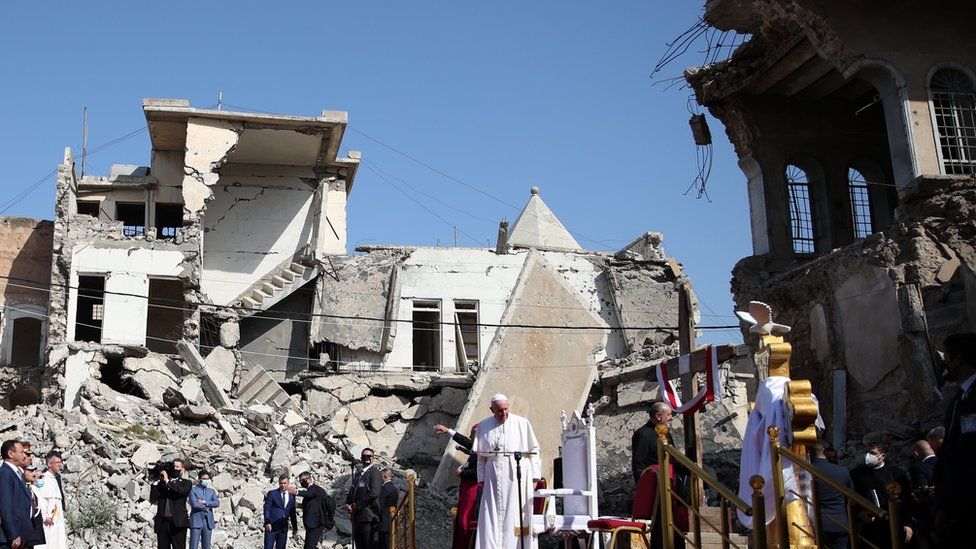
column 164, row 320
column 91, row 308
column 26, row 346
column 426, row 335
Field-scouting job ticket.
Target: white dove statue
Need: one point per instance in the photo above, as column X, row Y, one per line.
column 760, row 316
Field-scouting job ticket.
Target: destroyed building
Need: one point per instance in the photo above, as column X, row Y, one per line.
column 855, row 126
column 215, row 285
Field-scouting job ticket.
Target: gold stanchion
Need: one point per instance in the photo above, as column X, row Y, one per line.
column 757, row 483
column 894, row 517
column 664, row 487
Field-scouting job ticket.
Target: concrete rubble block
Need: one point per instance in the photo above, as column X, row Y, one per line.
column 378, row 407
column 260, row 416
column 376, row 424
column 223, row 482
column 221, row 364
column 174, row 398
column 153, row 374
column 146, row 453
column 191, row 390
column 281, row 456
column 352, row 392
column 385, row 441
column 637, row 392
column 344, row 423
column 230, row 335
column 251, row 497
column 196, row 412
column 450, row 401
column 231, row 435
column 293, row 418
column 416, row 411
column 75, row 463
column 320, row 403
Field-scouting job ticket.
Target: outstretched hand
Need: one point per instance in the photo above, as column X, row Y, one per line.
column 440, row 429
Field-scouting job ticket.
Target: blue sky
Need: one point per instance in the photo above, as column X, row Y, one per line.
column 500, row 95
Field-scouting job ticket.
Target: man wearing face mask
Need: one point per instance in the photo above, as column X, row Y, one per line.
column 871, row 481
column 169, row 495
column 203, row 500
column 318, row 509
column 955, row 472
column 362, row 504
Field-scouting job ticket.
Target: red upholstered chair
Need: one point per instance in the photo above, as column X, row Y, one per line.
column 642, row 512
column 539, row 502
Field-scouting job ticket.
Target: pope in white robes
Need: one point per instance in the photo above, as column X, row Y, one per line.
column 52, row 510
column 498, row 438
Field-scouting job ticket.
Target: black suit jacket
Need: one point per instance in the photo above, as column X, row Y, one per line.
column 318, row 507
column 388, row 498
column 15, row 505
column 955, row 471
column 921, row 503
column 833, row 504
column 643, row 449
column 173, row 492
column 363, row 495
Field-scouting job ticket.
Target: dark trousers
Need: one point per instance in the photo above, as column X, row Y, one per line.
column 836, row 540
column 276, row 539
column 366, row 535
column 170, row 536
column 384, row 540
column 313, row 536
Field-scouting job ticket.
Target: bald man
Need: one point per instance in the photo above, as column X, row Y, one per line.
column 643, row 445
column 922, row 500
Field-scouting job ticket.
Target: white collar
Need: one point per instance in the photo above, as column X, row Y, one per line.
column 926, row 458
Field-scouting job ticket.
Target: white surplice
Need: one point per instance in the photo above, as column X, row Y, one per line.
column 51, row 507
column 498, row 516
column 770, row 410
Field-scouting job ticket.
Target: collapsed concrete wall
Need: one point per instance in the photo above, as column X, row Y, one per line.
column 876, row 311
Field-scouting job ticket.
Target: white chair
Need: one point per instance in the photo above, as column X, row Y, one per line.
column 579, row 491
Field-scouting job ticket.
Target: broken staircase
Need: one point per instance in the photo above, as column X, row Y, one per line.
column 275, row 286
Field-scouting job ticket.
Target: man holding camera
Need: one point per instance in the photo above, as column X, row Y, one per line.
column 169, row 495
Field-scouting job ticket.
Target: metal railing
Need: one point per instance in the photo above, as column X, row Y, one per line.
column 402, row 520
column 853, row 500
column 666, row 453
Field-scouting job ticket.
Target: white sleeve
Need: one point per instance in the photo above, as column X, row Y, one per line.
column 534, row 448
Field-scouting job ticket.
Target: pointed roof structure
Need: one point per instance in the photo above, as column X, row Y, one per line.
column 537, row 227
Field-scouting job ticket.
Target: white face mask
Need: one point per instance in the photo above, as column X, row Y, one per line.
column 207, row 483
column 39, row 482
column 871, row 460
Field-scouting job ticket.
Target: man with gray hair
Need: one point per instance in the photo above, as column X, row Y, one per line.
column 643, row 445
column 505, row 443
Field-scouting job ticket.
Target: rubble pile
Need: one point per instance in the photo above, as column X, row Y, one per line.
column 112, row 439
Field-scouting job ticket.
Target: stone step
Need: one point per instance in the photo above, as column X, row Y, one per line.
column 279, row 281
column 297, row 268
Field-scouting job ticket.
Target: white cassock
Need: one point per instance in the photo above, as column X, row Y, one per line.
column 498, row 515
column 770, row 410
column 51, row 507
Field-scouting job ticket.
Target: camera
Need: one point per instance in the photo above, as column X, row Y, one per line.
column 156, row 470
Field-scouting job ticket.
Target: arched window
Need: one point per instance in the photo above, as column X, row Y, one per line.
column 801, row 210
column 954, row 111
column 857, row 186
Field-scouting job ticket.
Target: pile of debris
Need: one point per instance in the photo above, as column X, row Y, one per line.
column 110, row 441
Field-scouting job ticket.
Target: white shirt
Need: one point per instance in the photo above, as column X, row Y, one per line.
column 20, row 474
column 965, row 385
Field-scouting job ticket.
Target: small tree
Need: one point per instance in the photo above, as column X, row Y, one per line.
column 96, row 514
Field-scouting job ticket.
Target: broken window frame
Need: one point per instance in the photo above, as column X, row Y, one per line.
column 423, row 306
column 128, row 229
column 952, row 104
column 862, row 216
column 168, row 231
column 464, row 358
column 88, row 297
column 97, row 204
column 803, row 234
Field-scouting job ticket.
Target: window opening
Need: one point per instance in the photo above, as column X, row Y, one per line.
column 466, row 334
column 169, row 220
column 801, row 211
column 114, row 374
column 89, row 313
column 26, row 348
column 89, row 207
column 325, row 356
column 954, row 109
column 133, row 218
column 860, row 203
column 426, row 335
column 164, row 319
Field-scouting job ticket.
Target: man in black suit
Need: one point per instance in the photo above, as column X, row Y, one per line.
column 389, row 494
column 15, row 497
column 871, row 481
column 643, row 447
column 921, row 474
column 833, row 504
column 362, row 503
column 955, row 473
column 169, row 495
column 318, row 510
